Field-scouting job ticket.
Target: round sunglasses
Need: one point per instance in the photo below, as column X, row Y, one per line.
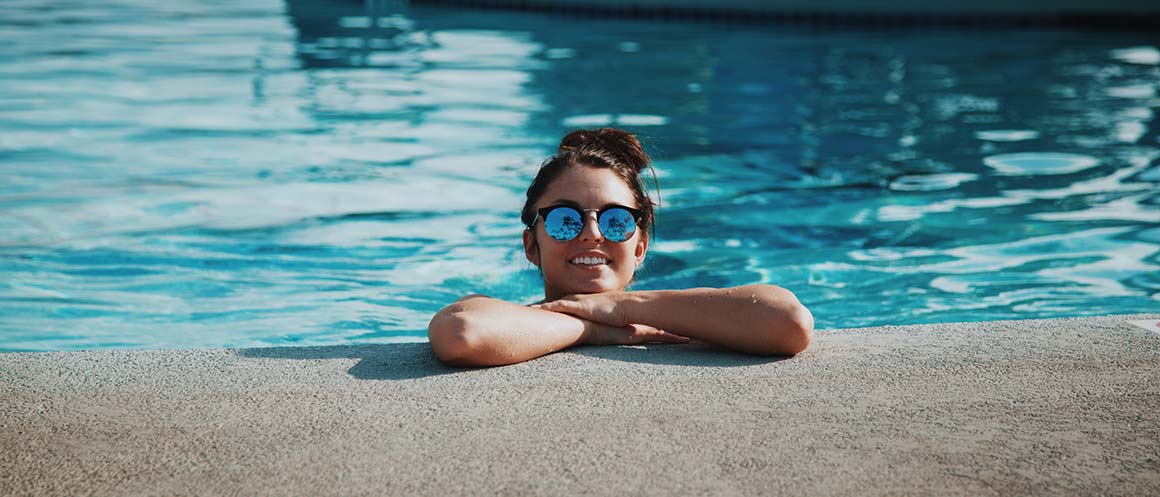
column 564, row 222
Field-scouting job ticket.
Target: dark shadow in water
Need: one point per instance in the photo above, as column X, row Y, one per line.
column 406, row 361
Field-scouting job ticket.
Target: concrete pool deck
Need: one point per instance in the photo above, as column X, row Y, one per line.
column 1044, row 407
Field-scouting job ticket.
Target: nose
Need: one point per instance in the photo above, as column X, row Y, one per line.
column 591, row 230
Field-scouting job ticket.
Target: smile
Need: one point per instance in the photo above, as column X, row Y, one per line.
column 588, row 261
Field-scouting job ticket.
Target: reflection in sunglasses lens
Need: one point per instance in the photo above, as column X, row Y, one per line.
column 617, row 224
column 563, row 224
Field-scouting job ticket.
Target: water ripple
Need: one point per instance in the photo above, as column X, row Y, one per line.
column 206, row 174
column 1040, row 163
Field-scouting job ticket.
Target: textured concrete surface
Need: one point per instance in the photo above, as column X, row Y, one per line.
column 1052, row 407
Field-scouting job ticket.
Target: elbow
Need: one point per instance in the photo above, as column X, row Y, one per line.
column 796, row 331
column 790, row 326
column 454, row 340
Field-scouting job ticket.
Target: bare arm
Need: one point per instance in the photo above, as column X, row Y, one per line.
column 756, row 319
column 481, row 331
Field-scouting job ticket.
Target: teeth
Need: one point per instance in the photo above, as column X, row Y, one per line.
column 590, row 260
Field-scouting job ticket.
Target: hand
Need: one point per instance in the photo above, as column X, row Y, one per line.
column 604, row 308
column 602, row 334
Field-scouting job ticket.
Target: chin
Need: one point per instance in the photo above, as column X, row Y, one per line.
column 568, row 282
column 597, row 286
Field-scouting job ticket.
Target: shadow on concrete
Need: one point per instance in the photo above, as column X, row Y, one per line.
column 698, row 353
column 392, row 361
column 405, row 361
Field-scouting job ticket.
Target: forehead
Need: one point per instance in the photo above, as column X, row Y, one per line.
column 590, row 187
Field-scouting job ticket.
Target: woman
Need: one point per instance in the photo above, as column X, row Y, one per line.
column 588, row 218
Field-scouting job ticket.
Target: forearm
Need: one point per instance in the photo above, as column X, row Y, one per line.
column 758, row 319
column 481, row 331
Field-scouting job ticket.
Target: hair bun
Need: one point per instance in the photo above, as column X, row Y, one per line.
column 610, row 144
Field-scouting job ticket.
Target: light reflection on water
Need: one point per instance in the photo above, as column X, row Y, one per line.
column 307, row 173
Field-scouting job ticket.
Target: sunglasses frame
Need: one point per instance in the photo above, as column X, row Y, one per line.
column 542, row 213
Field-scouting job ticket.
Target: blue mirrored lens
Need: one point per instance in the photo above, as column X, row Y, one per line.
column 563, row 223
column 617, row 224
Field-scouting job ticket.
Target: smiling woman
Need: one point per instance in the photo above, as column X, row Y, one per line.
column 588, row 218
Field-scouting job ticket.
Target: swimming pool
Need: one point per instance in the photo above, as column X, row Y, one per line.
column 225, row 175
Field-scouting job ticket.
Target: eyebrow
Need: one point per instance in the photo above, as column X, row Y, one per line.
column 573, row 203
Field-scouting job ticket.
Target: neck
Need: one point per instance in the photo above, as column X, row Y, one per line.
column 551, row 294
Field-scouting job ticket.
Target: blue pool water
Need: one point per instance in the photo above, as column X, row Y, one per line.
column 237, row 174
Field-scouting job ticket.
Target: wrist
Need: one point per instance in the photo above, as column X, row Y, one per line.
column 634, row 305
column 588, row 329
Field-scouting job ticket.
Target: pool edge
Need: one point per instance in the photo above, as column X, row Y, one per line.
column 1036, row 407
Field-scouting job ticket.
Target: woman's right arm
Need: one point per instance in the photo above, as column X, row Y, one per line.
column 481, row 331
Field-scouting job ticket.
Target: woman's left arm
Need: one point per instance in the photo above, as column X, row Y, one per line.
column 756, row 319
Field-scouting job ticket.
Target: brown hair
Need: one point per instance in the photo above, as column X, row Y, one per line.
column 606, row 148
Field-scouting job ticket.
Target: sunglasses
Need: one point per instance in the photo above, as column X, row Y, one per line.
column 563, row 222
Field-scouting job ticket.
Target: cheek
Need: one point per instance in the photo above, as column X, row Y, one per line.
column 552, row 258
column 629, row 265
column 626, row 265
column 553, row 253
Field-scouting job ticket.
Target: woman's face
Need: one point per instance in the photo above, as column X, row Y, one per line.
column 586, row 188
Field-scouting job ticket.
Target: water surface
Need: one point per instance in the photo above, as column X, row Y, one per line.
column 264, row 173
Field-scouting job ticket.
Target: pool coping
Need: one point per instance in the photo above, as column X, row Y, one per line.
column 1034, row 407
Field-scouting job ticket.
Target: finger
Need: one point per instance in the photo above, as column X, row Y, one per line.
column 648, row 333
column 662, row 333
column 666, row 337
column 643, row 329
column 561, row 306
column 548, row 306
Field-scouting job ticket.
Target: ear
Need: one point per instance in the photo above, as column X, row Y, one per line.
column 531, row 250
column 641, row 248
